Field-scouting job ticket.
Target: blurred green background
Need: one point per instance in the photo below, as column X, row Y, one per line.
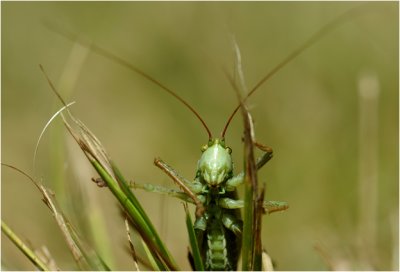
column 309, row 113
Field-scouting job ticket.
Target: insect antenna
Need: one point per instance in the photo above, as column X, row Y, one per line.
column 108, row 55
column 312, row 40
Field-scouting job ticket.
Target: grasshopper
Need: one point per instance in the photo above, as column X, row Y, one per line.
column 218, row 225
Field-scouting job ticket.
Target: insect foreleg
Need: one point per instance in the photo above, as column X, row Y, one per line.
column 233, row 182
column 194, row 186
column 190, row 188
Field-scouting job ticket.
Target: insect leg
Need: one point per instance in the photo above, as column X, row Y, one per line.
column 162, row 190
column 200, row 226
column 264, row 158
column 235, row 181
column 274, row 206
column 269, row 206
column 190, row 188
column 229, row 203
column 194, row 186
column 233, row 223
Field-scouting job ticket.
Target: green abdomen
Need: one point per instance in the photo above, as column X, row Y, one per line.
column 217, row 253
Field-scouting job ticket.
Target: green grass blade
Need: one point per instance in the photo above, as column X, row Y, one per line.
column 75, row 243
column 127, row 190
column 258, row 227
column 100, row 160
column 142, row 224
column 154, row 262
column 93, row 259
column 98, row 157
column 250, row 168
column 23, row 247
column 248, row 230
column 198, row 261
column 250, row 189
column 252, row 213
column 250, row 178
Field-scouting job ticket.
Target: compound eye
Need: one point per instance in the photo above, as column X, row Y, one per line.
column 204, row 147
column 229, row 150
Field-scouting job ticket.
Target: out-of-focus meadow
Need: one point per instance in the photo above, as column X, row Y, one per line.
column 336, row 147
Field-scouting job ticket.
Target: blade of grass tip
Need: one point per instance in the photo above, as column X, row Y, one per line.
column 238, row 68
column 250, row 188
column 43, row 131
column 66, row 84
column 57, row 156
column 198, row 261
column 95, row 146
column 23, row 247
column 95, row 223
column 250, row 169
column 131, row 246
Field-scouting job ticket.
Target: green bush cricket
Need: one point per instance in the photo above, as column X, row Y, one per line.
column 218, row 223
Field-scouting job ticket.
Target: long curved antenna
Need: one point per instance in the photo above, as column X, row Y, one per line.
column 312, row 40
column 103, row 52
